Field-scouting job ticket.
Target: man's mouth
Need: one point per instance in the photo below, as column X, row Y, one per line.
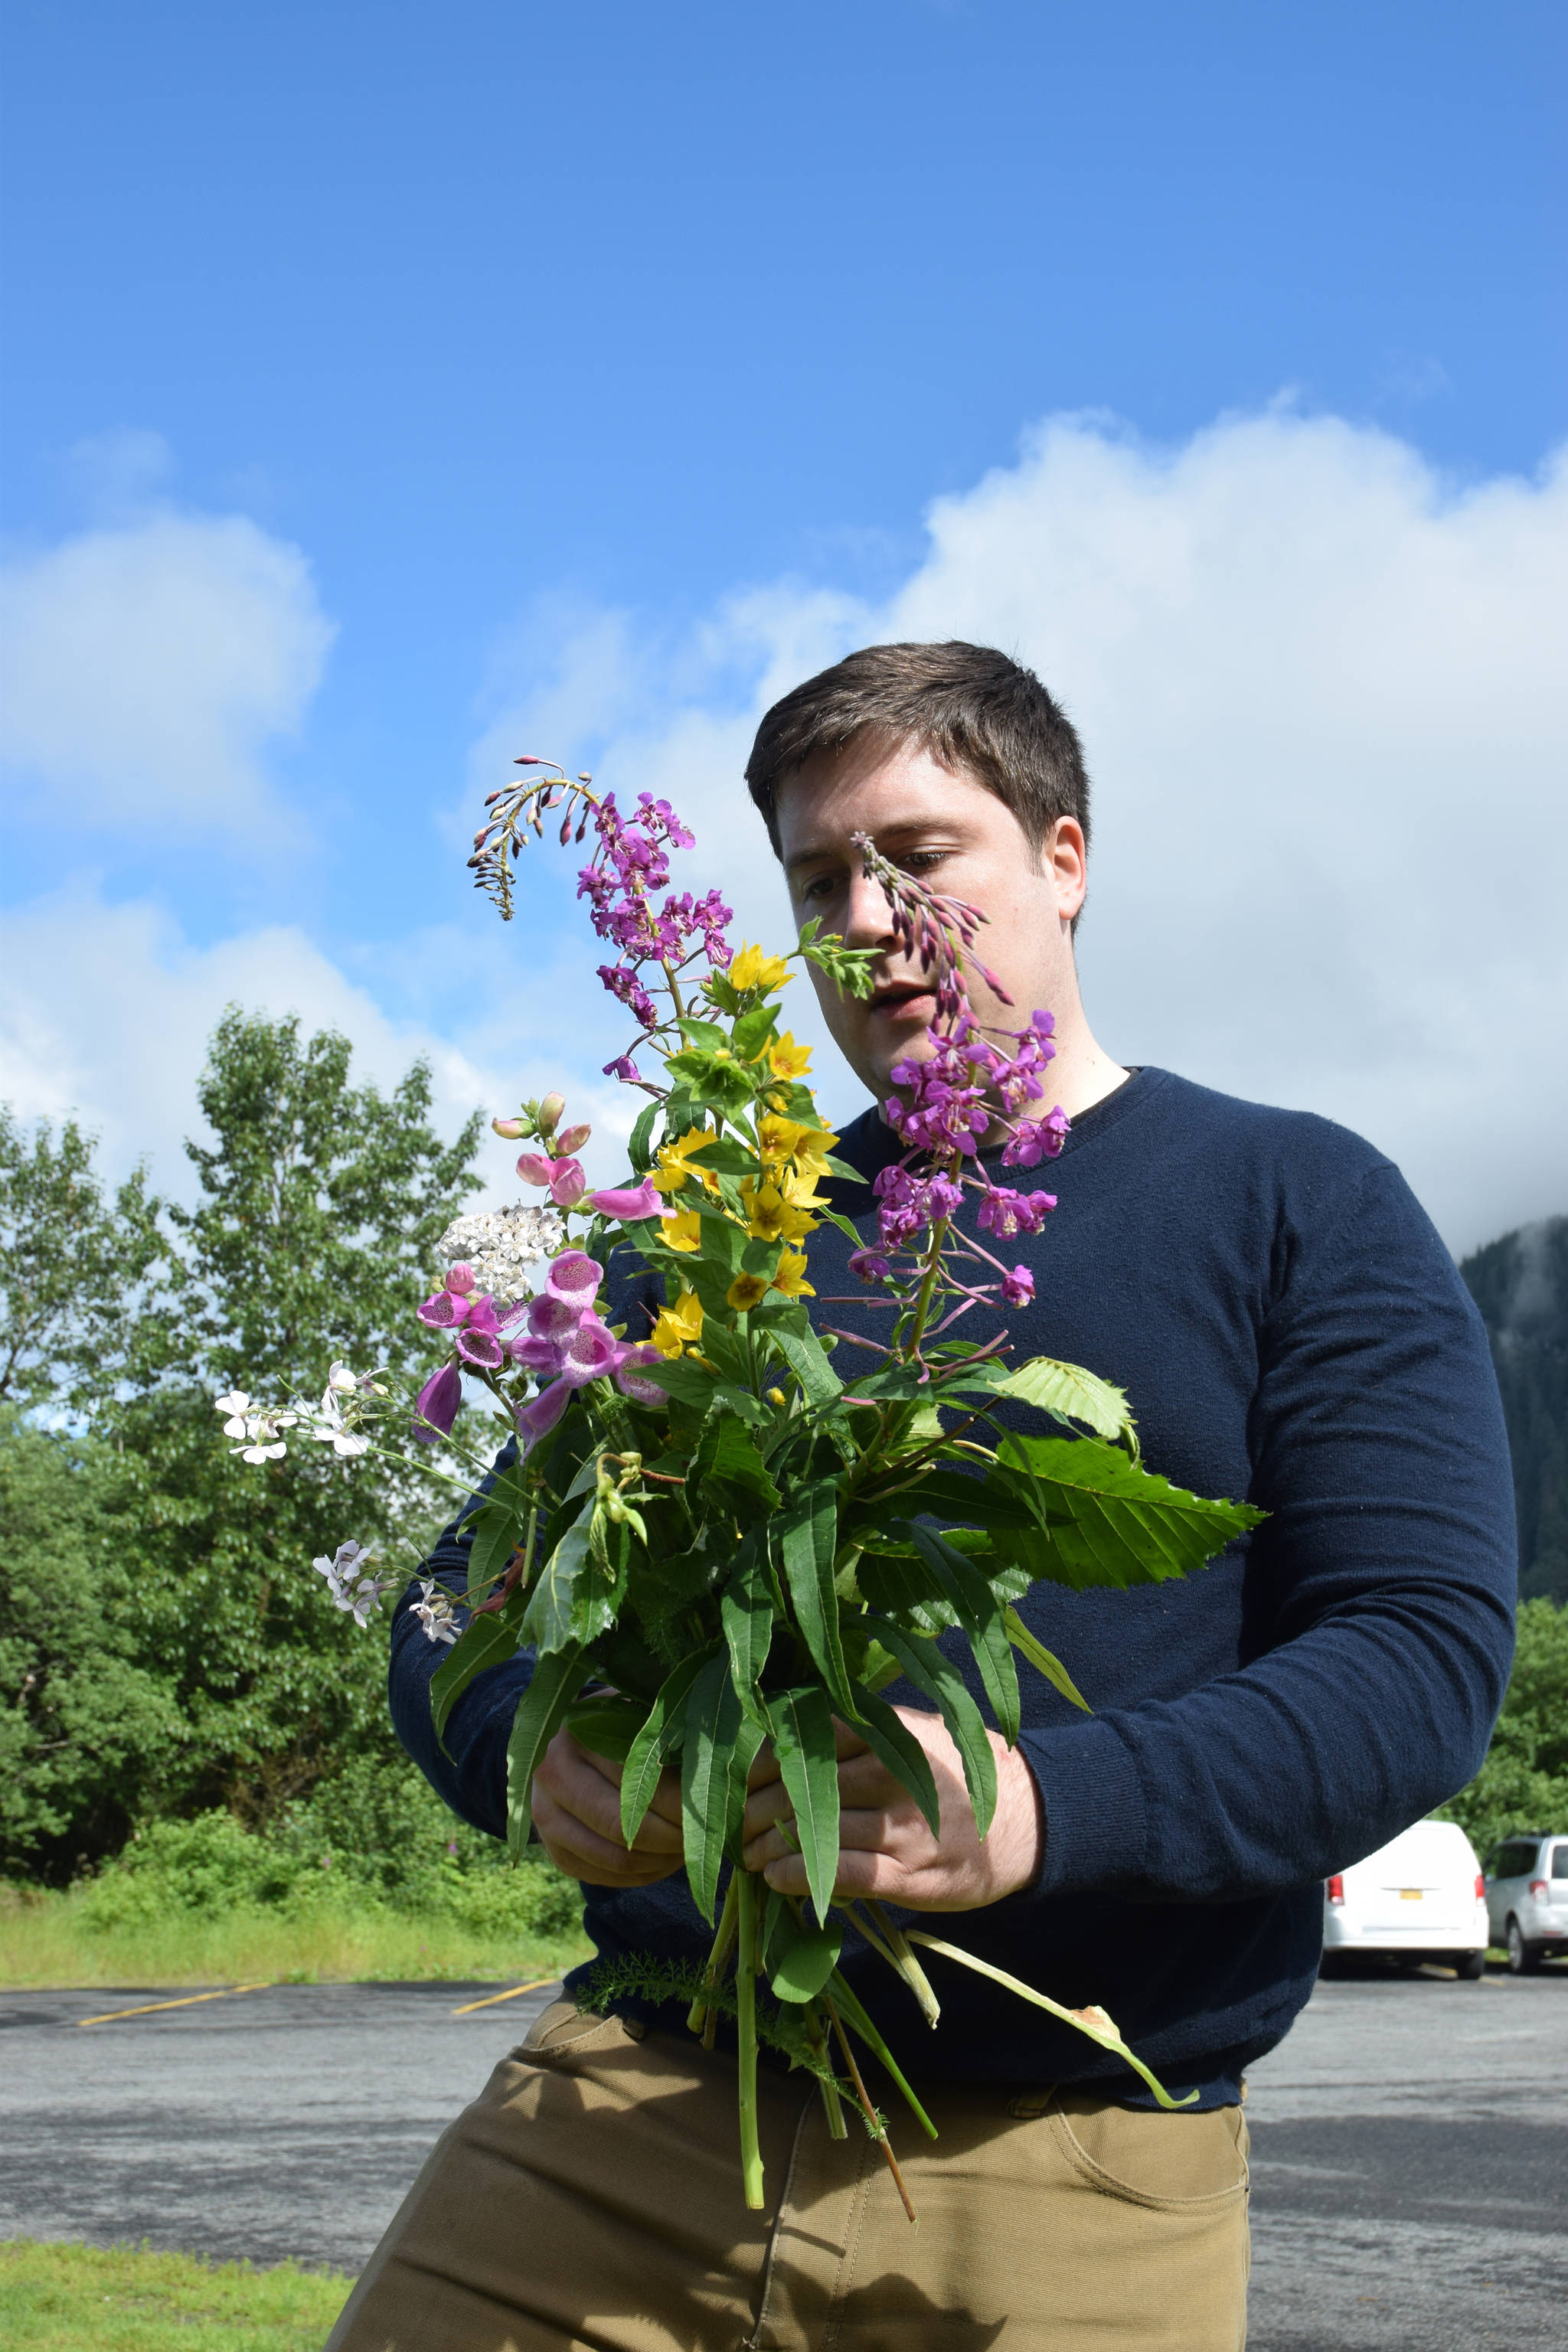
column 905, row 996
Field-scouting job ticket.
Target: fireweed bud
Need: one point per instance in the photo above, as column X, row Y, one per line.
column 510, row 1129
column 572, row 1139
column 550, row 1111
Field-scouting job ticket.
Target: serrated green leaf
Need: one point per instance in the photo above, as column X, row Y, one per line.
column 726, row 1468
column 1072, row 1393
column 803, row 1351
column 1109, row 1520
column 682, row 1377
column 808, row 1539
column 1045, row 1661
column 661, row 1735
column 936, row 1674
column 951, row 1493
column 555, row 1684
column 980, row 1614
column 900, row 1751
column 558, row 1600
column 607, row 1726
column 800, row 1722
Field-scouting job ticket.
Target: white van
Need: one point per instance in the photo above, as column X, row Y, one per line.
column 1421, row 1897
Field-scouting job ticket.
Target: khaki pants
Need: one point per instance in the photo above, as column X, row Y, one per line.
column 589, row 2199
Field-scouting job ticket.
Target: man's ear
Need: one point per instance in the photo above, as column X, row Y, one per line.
column 1063, row 856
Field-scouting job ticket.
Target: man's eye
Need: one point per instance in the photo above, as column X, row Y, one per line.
column 820, row 886
column 920, row 861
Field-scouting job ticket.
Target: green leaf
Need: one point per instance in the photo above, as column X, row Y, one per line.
column 753, row 1031
column 901, row 1585
column 803, row 1960
column 800, row 1722
column 563, row 1607
column 980, row 1614
column 900, row 1751
column 803, row 1351
column 487, row 1641
column 639, row 1143
column 706, row 1035
column 951, row 1493
column 1111, row 1521
column 497, row 1536
column 543, row 1709
column 681, row 1377
column 746, row 1609
column 1045, row 1660
column 808, row 1539
column 1072, row 1393
column 607, row 1726
column 713, row 1723
column 726, row 1468
column 656, row 1743
column 931, row 1672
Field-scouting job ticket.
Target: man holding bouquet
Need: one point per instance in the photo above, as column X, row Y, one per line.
column 1292, row 1333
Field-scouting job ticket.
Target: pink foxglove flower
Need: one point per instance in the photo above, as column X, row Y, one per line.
column 626, row 1204
column 435, row 1406
column 574, row 1277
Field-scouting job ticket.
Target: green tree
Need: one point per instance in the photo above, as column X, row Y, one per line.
column 1521, row 1284
column 313, row 1239
column 79, row 1270
column 84, row 1727
column 1523, row 1784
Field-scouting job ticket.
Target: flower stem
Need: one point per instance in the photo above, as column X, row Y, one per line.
column 746, row 2004
column 700, row 2013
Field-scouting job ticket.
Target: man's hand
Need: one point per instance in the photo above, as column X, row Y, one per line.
column 886, row 1849
column 577, row 1813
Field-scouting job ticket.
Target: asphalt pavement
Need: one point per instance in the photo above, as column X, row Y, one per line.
column 1410, row 2139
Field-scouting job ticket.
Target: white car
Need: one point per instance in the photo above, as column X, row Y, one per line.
column 1421, row 1897
column 1527, row 1898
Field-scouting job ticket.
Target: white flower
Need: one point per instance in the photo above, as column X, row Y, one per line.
column 434, row 1610
column 367, row 1595
column 502, row 1246
column 237, row 1404
column 260, row 1432
column 328, row 1426
column 342, row 1378
column 341, row 1572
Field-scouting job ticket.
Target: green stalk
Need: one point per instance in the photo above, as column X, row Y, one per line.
column 696, row 2015
column 863, row 2026
column 746, row 1992
column 923, row 1304
column 816, row 2034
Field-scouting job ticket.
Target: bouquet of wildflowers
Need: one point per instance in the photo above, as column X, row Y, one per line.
column 717, row 1532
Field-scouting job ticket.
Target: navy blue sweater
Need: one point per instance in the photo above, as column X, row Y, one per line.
column 1290, row 1331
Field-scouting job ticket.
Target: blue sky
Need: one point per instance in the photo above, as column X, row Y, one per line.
column 589, row 367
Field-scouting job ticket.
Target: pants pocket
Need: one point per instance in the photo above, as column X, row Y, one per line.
column 1166, row 2162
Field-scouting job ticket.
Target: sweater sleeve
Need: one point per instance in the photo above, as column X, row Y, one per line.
column 467, row 1770
column 1383, row 1581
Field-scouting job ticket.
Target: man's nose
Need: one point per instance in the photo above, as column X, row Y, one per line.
column 867, row 917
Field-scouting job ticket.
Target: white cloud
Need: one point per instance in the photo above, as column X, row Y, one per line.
column 146, row 665
column 1322, row 703
column 106, row 1011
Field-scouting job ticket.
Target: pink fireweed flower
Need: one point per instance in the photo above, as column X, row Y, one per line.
column 870, row 1266
column 627, row 1205
column 1034, row 1140
column 1018, row 1287
column 435, row 1406
column 1006, row 1212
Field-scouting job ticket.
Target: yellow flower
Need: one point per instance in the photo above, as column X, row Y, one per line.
column 746, row 1290
column 777, row 1139
column 770, row 1216
column 674, row 1166
column 753, row 969
column 790, row 1276
column 810, row 1154
column 788, row 1060
column 678, row 1324
column 683, row 1230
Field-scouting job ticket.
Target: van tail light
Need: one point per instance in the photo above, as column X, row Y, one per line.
column 1540, row 1889
column 1480, row 1889
column 1336, row 1889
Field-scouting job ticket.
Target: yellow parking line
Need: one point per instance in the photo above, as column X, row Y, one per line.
column 188, row 2001
column 490, row 1998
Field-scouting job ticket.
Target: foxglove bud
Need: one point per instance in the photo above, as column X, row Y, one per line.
column 509, row 1128
column 572, row 1139
column 550, row 1111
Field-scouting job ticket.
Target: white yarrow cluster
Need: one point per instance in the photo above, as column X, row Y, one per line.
column 502, row 1245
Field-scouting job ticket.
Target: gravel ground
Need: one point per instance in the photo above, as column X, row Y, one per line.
column 1410, row 2140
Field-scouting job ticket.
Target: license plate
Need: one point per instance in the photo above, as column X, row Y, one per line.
column 1411, row 1894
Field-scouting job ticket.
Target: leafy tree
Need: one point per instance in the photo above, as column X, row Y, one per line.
column 1523, row 1784
column 312, row 1238
column 77, row 1270
column 86, row 1728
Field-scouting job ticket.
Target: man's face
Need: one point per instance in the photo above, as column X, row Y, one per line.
column 960, row 840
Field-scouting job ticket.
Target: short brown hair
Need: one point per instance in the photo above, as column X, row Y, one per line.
column 969, row 705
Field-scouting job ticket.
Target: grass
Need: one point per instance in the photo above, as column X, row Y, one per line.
column 62, row 2297
column 48, row 1940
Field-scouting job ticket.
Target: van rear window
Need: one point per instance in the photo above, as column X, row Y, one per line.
column 1560, row 1862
